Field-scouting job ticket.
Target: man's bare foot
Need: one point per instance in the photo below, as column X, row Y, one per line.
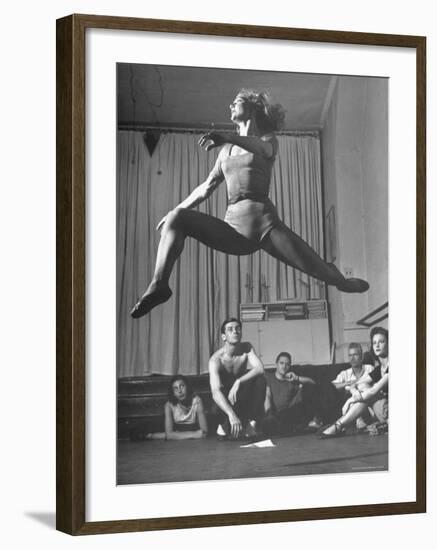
column 156, row 294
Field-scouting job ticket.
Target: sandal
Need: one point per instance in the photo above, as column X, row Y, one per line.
column 323, row 428
column 339, row 431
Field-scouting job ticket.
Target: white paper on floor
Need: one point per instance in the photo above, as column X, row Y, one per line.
column 264, row 443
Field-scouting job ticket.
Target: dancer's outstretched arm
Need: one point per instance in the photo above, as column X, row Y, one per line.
column 252, row 144
column 202, row 191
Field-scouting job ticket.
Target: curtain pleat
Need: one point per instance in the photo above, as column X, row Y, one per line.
column 208, row 286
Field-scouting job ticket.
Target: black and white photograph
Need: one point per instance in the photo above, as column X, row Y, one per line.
column 165, row 390
column 252, row 258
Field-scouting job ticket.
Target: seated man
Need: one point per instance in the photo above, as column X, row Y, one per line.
column 350, row 379
column 291, row 400
column 237, row 384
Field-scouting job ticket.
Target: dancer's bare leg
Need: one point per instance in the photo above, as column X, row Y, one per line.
column 355, row 411
column 179, row 224
column 282, row 243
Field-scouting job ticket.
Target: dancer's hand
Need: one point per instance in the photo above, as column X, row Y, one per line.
column 213, row 139
column 232, row 395
column 161, row 223
column 236, row 426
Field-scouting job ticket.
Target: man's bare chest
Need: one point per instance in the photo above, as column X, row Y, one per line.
column 234, row 365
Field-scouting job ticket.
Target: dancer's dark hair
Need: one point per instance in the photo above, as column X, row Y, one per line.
column 269, row 116
column 171, row 396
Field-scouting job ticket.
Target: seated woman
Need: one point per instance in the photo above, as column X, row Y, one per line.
column 184, row 414
column 371, row 391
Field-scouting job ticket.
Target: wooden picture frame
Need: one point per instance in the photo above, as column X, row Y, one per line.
column 71, row 273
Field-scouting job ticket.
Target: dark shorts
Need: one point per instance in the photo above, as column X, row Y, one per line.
column 250, row 398
column 252, row 219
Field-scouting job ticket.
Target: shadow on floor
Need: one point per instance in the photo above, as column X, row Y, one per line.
column 46, row 518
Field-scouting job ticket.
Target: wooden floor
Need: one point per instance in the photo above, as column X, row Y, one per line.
column 155, row 461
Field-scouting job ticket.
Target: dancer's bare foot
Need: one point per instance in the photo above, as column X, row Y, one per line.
column 156, row 294
column 347, row 285
column 353, row 285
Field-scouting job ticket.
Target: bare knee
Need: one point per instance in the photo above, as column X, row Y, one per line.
column 174, row 219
